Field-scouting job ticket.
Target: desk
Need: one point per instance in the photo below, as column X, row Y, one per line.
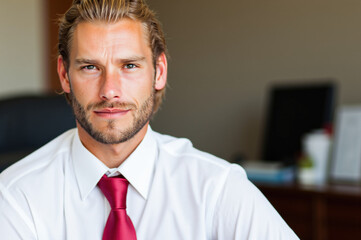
column 318, row 212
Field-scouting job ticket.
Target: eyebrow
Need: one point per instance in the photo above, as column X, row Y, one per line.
column 80, row 61
column 132, row 59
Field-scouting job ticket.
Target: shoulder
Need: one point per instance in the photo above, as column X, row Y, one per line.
column 179, row 160
column 181, row 152
column 201, row 177
column 35, row 175
column 37, row 162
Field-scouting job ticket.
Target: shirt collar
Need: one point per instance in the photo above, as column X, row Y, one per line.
column 138, row 168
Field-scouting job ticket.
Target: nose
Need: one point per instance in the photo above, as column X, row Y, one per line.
column 110, row 86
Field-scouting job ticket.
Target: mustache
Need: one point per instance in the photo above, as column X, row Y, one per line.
column 104, row 104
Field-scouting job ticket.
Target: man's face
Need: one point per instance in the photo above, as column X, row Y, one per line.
column 111, row 79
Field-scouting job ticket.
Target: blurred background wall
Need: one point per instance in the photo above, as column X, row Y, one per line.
column 224, row 56
column 22, row 47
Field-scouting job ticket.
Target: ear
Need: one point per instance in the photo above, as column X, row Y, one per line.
column 161, row 72
column 63, row 75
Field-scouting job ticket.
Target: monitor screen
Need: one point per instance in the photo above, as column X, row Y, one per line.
column 294, row 111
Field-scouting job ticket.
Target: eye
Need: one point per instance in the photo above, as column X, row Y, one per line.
column 89, row 67
column 130, row 66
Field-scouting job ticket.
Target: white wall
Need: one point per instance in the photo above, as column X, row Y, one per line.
column 22, row 68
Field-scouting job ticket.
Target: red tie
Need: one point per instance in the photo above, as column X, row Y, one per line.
column 119, row 226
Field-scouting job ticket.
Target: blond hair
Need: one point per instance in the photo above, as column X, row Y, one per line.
column 112, row 11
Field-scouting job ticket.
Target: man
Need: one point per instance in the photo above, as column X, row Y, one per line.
column 113, row 70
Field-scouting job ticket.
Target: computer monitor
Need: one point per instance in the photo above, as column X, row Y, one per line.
column 293, row 111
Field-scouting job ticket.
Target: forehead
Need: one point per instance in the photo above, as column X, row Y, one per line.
column 99, row 36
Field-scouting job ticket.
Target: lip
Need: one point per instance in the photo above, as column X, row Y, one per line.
column 111, row 112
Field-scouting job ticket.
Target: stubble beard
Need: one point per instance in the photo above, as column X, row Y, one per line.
column 111, row 134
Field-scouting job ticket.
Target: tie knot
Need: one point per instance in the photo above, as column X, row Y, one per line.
column 115, row 190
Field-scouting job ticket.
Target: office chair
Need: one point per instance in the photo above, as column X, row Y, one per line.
column 28, row 122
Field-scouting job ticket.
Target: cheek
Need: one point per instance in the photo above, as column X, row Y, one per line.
column 139, row 85
column 137, row 93
column 84, row 93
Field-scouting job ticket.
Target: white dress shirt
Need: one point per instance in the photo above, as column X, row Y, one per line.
column 175, row 192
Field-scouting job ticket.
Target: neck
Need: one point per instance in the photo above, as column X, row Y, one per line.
column 112, row 155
